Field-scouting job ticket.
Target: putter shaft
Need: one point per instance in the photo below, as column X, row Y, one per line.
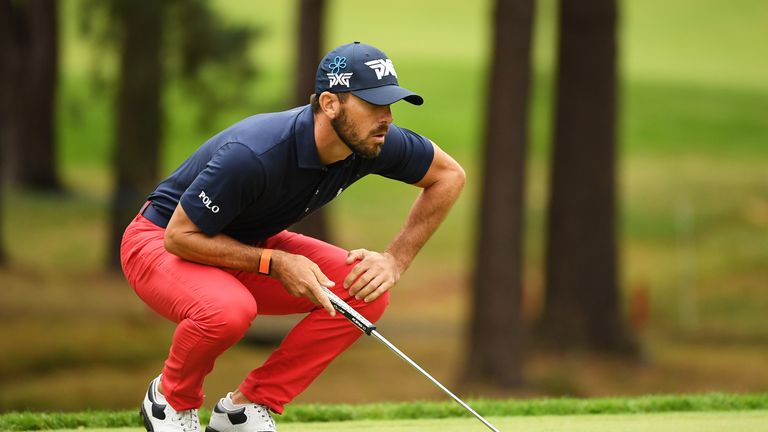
column 402, row 355
column 370, row 329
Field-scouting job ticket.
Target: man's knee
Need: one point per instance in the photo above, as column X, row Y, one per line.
column 228, row 320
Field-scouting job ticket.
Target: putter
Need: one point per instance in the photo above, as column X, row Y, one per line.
column 370, row 329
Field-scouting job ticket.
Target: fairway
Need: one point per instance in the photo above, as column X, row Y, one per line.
column 753, row 421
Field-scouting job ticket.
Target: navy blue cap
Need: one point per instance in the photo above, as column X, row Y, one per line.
column 365, row 71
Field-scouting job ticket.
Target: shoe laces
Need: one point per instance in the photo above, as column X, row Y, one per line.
column 188, row 420
column 264, row 413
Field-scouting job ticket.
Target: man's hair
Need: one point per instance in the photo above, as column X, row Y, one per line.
column 314, row 100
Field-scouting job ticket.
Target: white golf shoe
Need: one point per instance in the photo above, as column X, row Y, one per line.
column 159, row 415
column 227, row 417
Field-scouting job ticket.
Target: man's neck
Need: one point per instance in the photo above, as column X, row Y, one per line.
column 330, row 148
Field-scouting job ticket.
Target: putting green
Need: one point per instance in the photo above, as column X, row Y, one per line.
column 753, row 421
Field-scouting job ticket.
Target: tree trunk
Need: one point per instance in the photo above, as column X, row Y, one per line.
column 7, row 95
column 311, row 14
column 32, row 149
column 7, row 89
column 582, row 306
column 139, row 114
column 496, row 333
column 3, row 256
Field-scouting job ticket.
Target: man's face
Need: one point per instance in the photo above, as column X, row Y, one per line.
column 362, row 126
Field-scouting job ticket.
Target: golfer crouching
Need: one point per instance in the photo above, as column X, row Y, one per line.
column 209, row 249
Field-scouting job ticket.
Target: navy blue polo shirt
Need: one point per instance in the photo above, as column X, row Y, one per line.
column 263, row 174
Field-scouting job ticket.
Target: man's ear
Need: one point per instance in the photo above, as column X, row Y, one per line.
column 329, row 104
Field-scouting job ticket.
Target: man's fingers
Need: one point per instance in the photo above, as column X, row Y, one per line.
column 320, row 294
column 373, row 275
column 377, row 292
column 322, row 278
column 357, row 270
column 361, row 281
column 326, row 303
column 365, row 284
column 356, row 254
column 371, row 286
column 323, row 300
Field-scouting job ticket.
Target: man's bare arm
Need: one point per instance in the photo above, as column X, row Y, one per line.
column 299, row 275
column 377, row 272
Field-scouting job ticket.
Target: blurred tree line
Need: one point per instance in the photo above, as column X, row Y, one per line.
column 28, row 81
column 582, row 307
column 165, row 39
column 30, row 58
column 159, row 42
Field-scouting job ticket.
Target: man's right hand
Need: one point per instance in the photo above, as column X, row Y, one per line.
column 302, row 278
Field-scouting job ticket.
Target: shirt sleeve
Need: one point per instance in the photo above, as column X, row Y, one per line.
column 405, row 156
column 232, row 180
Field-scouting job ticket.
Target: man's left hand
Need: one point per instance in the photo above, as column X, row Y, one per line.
column 372, row 276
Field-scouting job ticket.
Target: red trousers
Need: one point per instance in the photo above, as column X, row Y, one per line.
column 214, row 307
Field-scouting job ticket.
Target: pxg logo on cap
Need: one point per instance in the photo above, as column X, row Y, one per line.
column 365, row 71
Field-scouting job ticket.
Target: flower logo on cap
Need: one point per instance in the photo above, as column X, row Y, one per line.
column 338, row 64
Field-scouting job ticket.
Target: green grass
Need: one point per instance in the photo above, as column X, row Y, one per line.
column 708, row 43
column 688, row 422
column 658, row 117
column 423, row 410
column 691, row 83
column 672, row 118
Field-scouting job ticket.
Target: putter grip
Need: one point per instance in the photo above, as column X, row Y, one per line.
column 340, row 305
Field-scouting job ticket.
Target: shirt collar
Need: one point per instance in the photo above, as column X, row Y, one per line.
column 306, row 148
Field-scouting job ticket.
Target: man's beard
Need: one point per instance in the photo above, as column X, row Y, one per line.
column 346, row 131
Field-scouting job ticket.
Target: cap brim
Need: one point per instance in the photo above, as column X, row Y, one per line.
column 388, row 94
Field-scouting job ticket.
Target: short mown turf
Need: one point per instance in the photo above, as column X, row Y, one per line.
column 730, row 421
column 311, row 413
